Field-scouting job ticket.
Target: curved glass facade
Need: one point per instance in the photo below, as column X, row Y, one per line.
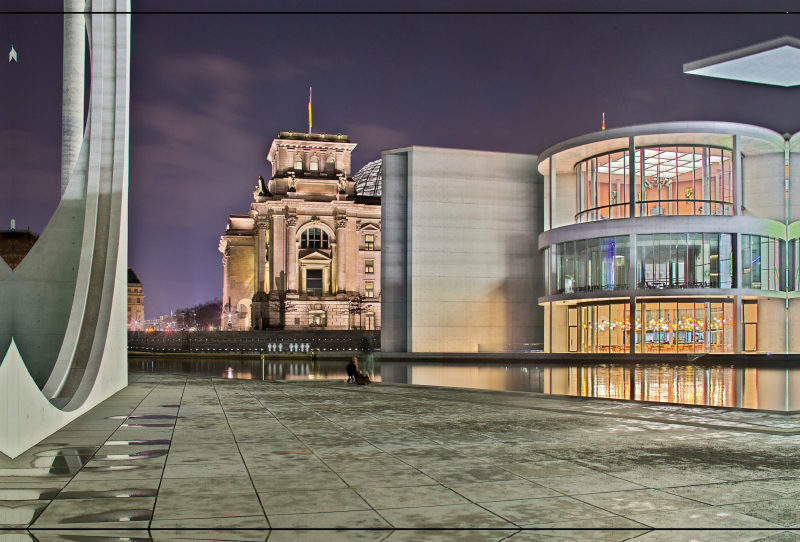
column 761, row 262
column 684, row 260
column 669, row 180
column 592, row 265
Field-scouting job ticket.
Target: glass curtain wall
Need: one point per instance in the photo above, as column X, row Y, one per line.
column 592, row 265
column 662, row 326
column 794, row 265
column 684, row 326
column 602, row 327
column 684, row 260
column 761, row 262
column 677, row 180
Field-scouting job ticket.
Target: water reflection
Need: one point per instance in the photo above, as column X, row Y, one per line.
column 249, row 369
column 767, row 388
column 755, row 388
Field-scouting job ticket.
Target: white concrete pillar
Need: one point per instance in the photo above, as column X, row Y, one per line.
column 548, row 325
column 341, row 254
column 738, row 194
column 738, row 326
column 632, row 180
column 551, row 193
column 632, row 269
column 73, row 87
column 291, row 252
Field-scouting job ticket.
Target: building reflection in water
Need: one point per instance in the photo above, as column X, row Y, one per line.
column 246, row 368
column 756, row 388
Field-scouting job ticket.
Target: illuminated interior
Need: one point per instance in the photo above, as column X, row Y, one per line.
column 665, row 325
column 681, row 180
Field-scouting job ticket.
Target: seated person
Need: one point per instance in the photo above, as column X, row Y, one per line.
column 352, row 370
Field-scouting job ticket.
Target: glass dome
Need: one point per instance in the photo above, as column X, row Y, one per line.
column 368, row 179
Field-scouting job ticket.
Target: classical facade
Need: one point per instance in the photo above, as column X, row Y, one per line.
column 307, row 254
column 672, row 238
column 135, row 302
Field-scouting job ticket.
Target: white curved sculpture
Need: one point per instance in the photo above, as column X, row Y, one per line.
column 63, row 323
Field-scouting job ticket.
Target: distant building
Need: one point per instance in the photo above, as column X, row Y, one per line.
column 15, row 245
column 307, row 254
column 135, row 302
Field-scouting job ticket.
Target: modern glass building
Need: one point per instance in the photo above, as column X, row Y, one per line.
column 672, row 238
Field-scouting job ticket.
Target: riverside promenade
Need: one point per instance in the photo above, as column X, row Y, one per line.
column 180, row 457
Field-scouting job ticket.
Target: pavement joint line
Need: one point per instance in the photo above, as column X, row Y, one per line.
column 249, row 392
column 39, row 515
column 439, row 444
column 439, row 484
column 775, row 432
column 172, row 435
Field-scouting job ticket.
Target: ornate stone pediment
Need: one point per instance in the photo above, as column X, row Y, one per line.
column 369, row 227
column 317, row 256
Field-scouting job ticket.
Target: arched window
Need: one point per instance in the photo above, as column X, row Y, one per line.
column 330, row 164
column 315, row 164
column 314, row 238
column 298, row 162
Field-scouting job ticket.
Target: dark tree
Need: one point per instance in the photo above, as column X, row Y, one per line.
column 203, row 315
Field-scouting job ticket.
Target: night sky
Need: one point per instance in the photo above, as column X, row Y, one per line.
column 209, row 92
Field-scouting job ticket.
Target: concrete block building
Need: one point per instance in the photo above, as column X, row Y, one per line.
column 307, row 253
column 461, row 268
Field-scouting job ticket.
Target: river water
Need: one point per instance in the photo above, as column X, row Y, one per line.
column 764, row 388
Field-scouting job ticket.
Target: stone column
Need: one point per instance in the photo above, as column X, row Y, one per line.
column 302, row 279
column 261, row 251
column 341, row 255
column 291, row 253
column 277, row 269
column 226, row 292
column 326, row 280
column 277, row 255
column 259, row 306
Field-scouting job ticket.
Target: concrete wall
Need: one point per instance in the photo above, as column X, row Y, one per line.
column 472, row 270
column 566, row 201
column 794, row 324
column 394, row 253
column 763, row 179
column 772, row 325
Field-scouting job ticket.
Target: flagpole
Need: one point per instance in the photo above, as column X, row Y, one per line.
column 309, row 110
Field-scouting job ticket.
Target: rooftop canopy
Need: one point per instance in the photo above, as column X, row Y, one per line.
column 774, row 62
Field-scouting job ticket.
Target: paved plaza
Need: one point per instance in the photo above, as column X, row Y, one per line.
column 175, row 456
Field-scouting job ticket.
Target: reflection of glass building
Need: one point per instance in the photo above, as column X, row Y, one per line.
column 671, row 238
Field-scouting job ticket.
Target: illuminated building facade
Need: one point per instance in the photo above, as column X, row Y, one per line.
column 307, row 254
column 135, row 302
column 672, row 238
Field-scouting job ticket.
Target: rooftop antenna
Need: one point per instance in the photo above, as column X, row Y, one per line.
column 604, row 121
column 12, row 56
column 309, row 110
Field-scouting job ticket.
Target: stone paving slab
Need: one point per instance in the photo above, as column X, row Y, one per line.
column 251, row 460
